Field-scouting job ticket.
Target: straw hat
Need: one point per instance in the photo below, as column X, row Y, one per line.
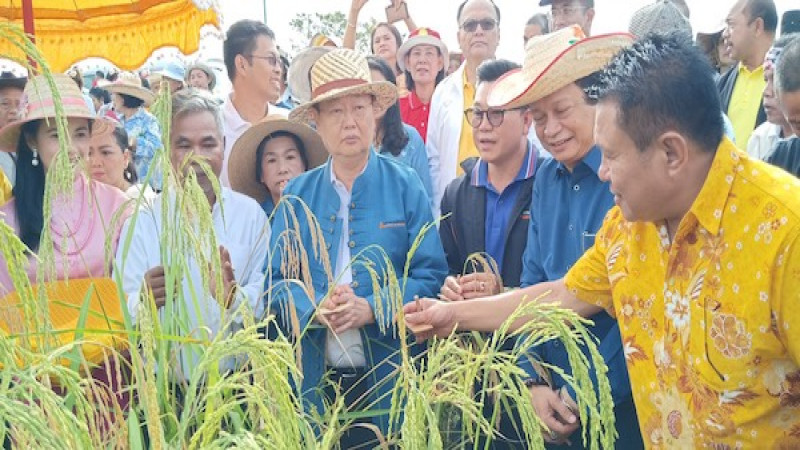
column 321, row 40
column 129, row 83
column 208, row 71
column 422, row 36
column 37, row 103
column 662, row 17
column 299, row 70
column 242, row 162
column 553, row 61
column 340, row 73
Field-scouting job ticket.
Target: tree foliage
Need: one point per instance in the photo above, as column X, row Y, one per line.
column 334, row 24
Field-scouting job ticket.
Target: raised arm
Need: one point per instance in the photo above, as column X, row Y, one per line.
column 349, row 39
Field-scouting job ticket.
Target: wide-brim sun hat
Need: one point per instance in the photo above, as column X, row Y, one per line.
column 38, row 103
column 128, row 83
column 422, row 36
column 242, row 163
column 205, row 68
column 342, row 73
column 298, row 76
column 553, row 61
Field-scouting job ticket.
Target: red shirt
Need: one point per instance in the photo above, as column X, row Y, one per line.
column 415, row 113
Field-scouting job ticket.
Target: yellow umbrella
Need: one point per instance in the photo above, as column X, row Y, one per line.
column 123, row 31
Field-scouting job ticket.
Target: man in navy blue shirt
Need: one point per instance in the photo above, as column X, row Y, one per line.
column 568, row 206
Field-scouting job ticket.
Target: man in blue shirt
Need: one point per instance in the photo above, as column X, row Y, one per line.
column 568, row 207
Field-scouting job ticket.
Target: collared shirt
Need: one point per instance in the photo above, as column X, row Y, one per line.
column 233, row 126
column 466, row 144
column 745, row 101
column 345, row 349
column 709, row 320
column 499, row 205
column 567, row 209
column 763, row 140
column 415, row 113
column 143, row 127
column 240, row 226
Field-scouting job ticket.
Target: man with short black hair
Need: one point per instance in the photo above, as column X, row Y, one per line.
column 254, row 68
column 749, row 32
column 570, row 12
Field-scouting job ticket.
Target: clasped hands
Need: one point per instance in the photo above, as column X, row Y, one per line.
column 343, row 310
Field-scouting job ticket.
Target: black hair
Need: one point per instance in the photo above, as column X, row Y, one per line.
column 590, row 84
column 787, row 72
column 439, row 76
column 29, row 190
column 263, row 145
column 398, row 38
column 130, row 101
column 241, row 40
column 492, row 69
column 464, row 3
column 764, row 10
column 660, row 83
column 121, row 137
column 395, row 137
column 541, row 21
column 100, row 94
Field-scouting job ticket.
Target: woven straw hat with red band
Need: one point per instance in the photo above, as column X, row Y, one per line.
column 37, row 103
column 341, row 73
column 553, row 61
column 422, row 36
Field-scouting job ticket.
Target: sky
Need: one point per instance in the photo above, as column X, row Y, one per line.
column 611, row 15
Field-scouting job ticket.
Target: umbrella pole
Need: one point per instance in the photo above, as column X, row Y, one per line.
column 27, row 22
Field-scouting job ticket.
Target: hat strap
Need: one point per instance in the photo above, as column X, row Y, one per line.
column 337, row 84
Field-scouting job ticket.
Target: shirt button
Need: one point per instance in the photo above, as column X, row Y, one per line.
column 423, row 124
column 352, row 232
column 352, row 205
column 354, row 284
column 576, row 188
column 333, row 218
column 570, row 227
column 329, row 246
column 352, row 244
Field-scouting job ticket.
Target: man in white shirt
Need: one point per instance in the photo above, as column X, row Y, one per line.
column 201, row 309
column 254, row 68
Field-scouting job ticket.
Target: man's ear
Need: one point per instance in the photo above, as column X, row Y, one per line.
column 675, row 150
column 240, row 62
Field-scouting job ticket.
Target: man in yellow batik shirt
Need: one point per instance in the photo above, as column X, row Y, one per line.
column 699, row 262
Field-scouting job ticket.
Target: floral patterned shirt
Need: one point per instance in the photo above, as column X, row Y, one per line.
column 710, row 322
column 143, row 128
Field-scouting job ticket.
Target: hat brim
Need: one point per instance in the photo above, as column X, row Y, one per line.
column 587, row 56
column 385, row 94
column 242, row 162
column 17, row 83
column 297, row 77
column 404, row 49
column 141, row 93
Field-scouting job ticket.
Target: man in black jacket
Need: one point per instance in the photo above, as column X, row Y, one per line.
column 749, row 32
column 489, row 205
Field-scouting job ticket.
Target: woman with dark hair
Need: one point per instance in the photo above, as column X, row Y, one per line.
column 109, row 159
column 80, row 223
column 424, row 60
column 395, row 138
column 129, row 98
column 269, row 154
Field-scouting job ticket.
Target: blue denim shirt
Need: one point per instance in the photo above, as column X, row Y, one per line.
column 143, row 127
column 388, row 209
column 567, row 210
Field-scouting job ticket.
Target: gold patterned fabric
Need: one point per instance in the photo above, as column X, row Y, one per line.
column 710, row 322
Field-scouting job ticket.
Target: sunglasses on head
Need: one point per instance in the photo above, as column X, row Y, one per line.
column 471, row 25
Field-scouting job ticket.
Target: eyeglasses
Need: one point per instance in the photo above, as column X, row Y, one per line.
column 566, row 11
column 471, row 26
column 714, row 307
column 271, row 59
column 495, row 116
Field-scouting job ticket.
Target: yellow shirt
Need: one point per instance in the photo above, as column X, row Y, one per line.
column 745, row 100
column 734, row 264
column 5, row 189
column 466, row 145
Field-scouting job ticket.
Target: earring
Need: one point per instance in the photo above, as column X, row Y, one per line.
column 35, row 159
column 128, row 175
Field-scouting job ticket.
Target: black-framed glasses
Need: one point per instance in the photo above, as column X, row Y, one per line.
column 272, row 60
column 471, row 25
column 713, row 305
column 494, row 116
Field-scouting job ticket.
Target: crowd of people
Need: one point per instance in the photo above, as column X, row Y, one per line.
column 646, row 179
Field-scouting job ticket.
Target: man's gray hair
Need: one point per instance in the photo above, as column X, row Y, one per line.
column 787, row 71
column 192, row 101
